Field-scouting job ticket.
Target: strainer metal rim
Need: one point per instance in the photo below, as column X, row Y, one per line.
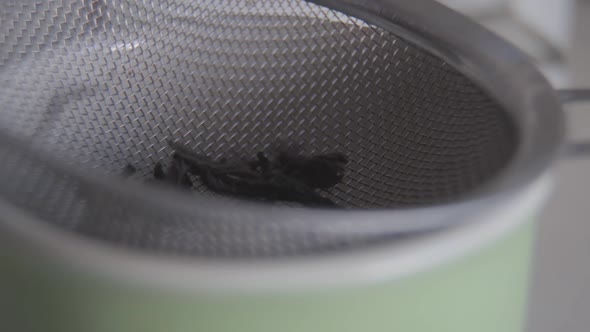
column 500, row 69
column 381, row 263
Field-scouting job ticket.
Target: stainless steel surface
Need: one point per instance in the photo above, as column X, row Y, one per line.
column 561, row 276
column 430, row 112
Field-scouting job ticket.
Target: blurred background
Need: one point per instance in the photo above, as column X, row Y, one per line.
column 556, row 33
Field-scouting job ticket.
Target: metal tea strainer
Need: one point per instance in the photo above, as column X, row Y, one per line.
column 438, row 117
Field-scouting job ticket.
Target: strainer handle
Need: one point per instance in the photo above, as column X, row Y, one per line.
column 573, row 95
column 577, row 149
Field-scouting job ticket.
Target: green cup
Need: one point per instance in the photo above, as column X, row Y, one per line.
column 468, row 278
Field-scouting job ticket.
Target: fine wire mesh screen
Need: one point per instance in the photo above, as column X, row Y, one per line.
column 106, row 83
